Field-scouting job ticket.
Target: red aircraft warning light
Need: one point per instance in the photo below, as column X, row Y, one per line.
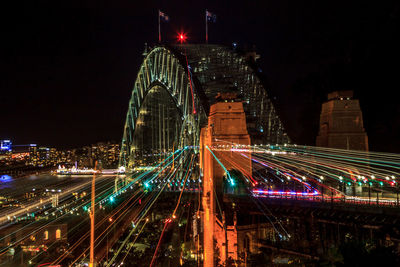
column 182, row 37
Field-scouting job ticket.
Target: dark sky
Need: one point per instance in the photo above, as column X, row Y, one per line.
column 67, row 72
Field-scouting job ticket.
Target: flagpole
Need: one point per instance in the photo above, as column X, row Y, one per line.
column 159, row 27
column 206, row 29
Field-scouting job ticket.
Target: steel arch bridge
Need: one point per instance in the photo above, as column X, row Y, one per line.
column 172, row 93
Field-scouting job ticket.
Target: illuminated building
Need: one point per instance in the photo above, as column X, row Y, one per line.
column 5, row 150
column 32, row 239
column 5, row 145
column 44, row 154
column 32, row 154
column 105, row 153
column 53, row 156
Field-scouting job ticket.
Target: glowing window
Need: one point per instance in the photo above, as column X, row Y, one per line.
column 58, row 234
column 46, row 235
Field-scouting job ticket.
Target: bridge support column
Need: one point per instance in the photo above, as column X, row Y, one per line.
column 226, row 126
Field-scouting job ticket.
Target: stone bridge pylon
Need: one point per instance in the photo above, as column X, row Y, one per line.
column 226, row 125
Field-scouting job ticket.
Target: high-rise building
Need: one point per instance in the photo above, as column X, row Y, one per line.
column 5, row 149
column 341, row 123
column 33, row 154
column 5, row 145
column 43, row 155
column 106, row 153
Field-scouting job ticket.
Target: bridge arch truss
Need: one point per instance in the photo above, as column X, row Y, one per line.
column 173, row 82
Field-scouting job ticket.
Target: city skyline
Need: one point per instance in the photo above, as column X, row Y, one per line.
column 68, row 72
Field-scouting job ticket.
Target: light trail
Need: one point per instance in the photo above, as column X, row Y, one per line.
column 84, row 221
column 184, row 183
column 167, row 222
column 40, row 228
column 85, row 203
column 223, row 167
column 316, row 169
column 104, row 220
column 134, row 241
column 146, row 208
column 254, row 200
column 34, row 206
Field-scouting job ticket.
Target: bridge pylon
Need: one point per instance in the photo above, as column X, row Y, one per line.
column 226, row 126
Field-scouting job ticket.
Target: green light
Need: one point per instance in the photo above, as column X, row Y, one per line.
column 381, row 183
column 220, row 163
column 112, row 199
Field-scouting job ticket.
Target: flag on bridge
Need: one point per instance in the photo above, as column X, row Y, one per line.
column 209, row 17
column 164, row 17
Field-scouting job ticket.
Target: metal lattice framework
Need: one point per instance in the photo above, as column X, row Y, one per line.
column 161, row 115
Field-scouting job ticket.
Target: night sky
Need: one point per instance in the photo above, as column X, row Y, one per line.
column 67, row 72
